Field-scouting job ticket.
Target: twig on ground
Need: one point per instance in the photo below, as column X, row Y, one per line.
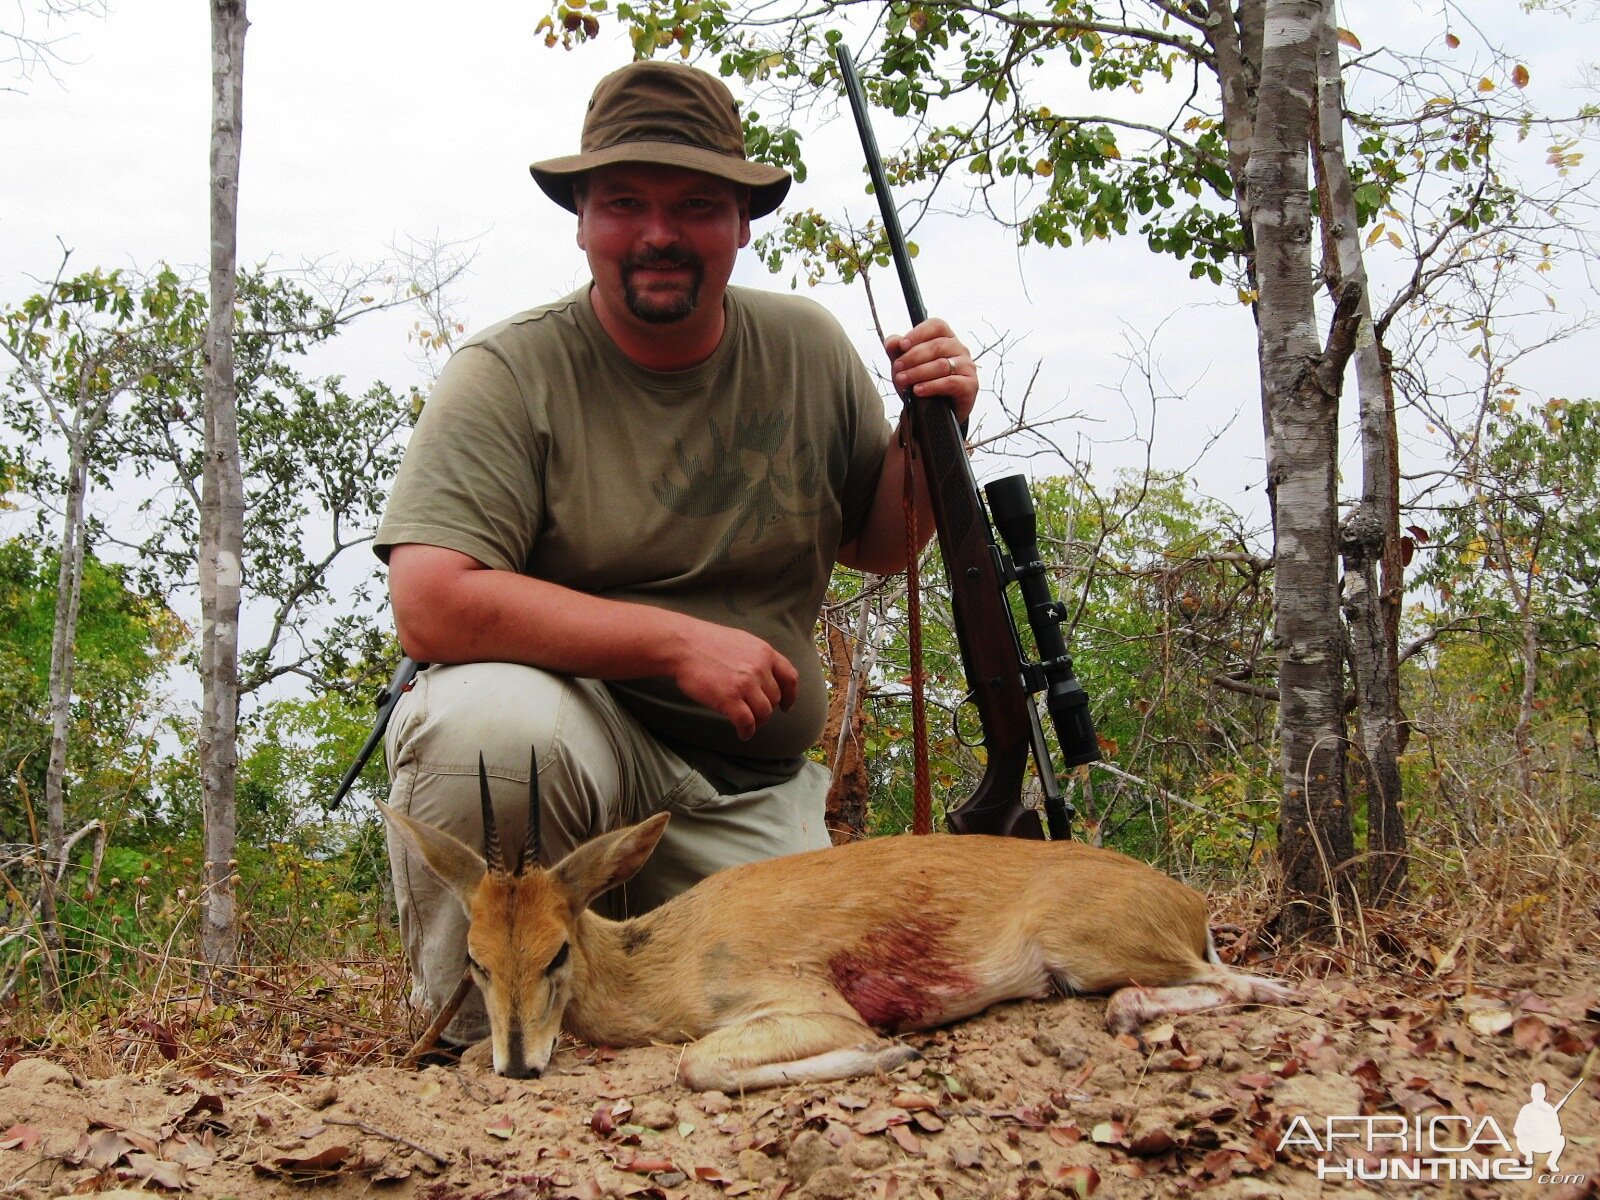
column 374, row 1131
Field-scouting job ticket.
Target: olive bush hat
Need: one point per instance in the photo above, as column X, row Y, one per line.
column 659, row 112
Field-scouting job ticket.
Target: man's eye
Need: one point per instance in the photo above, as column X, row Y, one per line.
column 559, row 960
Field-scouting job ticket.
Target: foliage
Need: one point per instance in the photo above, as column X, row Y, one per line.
column 312, row 884
column 125, row 642
column 1076, row 122
column 1167, row 598
column 79, row 349
column 1518, row 552
column 318, row 458
column 1468, row 802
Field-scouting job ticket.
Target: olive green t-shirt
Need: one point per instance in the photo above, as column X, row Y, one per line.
column 723, row 492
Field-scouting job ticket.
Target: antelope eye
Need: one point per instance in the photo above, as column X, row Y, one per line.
column 559, row 960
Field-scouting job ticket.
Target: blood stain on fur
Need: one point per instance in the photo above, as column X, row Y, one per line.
column 902, row 976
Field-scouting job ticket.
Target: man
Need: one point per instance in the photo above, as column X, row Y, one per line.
column 616, row 521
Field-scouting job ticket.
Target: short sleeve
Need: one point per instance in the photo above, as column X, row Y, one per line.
column 472, row 477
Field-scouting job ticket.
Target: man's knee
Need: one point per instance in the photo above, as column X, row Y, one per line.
column 455, row 713
column 512, row 715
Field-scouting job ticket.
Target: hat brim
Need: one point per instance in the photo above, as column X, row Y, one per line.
column 768, row 184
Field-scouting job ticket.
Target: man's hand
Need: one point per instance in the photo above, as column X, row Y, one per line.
column 931, row 361
column 734, row 673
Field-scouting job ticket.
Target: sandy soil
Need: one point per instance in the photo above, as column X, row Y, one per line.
column 1032, row 1100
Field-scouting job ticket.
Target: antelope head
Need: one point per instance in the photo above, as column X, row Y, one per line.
column 523, row 935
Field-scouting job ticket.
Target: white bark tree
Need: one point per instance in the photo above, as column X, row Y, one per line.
column 1369, row 535
column 1301, row 381
column 222, row 502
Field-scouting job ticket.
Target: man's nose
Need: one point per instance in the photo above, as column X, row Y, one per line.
column 658, row 229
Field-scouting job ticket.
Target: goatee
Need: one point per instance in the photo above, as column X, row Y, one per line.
column 662, row 310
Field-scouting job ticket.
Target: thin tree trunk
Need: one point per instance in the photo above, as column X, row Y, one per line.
column 1300, row 397
column 1370, row 535
column 222, row 502
column 63, row 635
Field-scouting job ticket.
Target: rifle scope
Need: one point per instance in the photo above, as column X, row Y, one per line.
column 1011, row 509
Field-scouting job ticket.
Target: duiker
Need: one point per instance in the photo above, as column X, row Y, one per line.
column 791, row 970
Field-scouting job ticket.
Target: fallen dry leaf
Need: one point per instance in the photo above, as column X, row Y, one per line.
column 876, row 1120
column 1489, row 1021
column 19, row 1137
column 1109, row 1133
column 147, row 1169
column 647, row 1164
column 1081, row 1181
column 1152, row 1144
column 1531, row 1033
column 905, row 1139
column 100, row 1149
column 333, row 1160
column 967, row 1157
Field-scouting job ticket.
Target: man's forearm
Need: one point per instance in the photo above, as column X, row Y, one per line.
column 881, row 546
column 500, row 616
column 450, row 608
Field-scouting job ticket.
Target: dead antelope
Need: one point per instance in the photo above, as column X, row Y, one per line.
column 786, row 971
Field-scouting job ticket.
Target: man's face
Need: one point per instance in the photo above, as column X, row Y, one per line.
column 661, row 240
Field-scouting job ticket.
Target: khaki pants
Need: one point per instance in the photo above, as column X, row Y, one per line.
column 598, row 770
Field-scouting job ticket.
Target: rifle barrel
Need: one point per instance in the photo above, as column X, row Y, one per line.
column 880, row 186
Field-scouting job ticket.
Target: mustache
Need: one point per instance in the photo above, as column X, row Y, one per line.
column 669, row 256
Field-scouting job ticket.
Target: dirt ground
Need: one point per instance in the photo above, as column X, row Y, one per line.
column 1032, row 1100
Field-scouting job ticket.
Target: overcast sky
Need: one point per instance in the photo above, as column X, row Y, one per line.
column 370, row 123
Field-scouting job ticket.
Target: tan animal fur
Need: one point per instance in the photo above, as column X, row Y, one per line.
column 789, row 970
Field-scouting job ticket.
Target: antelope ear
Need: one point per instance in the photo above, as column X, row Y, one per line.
column 447, row 859
column 598, row 866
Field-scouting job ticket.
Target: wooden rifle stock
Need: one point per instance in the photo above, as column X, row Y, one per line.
column 991, row 652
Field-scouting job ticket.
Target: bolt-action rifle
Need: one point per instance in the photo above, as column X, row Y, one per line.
column 1001, row 679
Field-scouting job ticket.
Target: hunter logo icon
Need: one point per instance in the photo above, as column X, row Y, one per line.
column 1538, row 1127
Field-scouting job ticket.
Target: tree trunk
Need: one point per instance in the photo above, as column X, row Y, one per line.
column 222, row 502
column 1300, row 399
column 63, row 636
column 1370, row 535
column 847, row 808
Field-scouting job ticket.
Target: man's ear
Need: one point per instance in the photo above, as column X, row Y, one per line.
column 580, row 193
column 598, row 866
column 450, row 861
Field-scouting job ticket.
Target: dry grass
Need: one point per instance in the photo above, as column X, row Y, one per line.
column 141, row 1004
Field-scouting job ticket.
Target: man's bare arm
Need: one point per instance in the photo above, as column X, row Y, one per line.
column 931, row 361
column 450, row 608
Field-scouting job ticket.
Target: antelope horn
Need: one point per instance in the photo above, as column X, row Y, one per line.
column 530, row 845
column 491, row 836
